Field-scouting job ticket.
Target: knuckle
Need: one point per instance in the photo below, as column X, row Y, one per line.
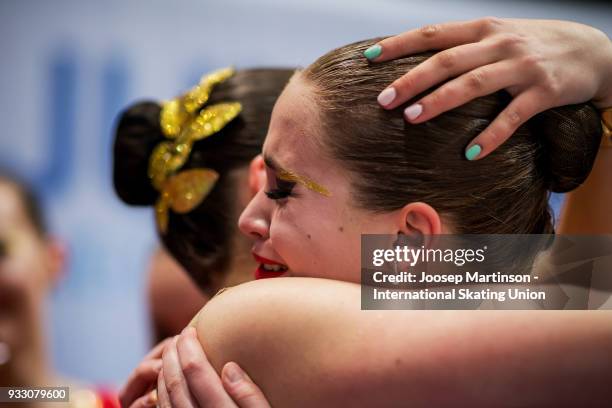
column 495, row 136
column 551, row 88
column 173, row 386
column 489, row 24
column 430, row 30
column 191, row 366
column 533, row 62
column 510, row 41
column 447, row 93
column 476, row 80
column 406, row 82
column 513, row 117
column 434, row 100
column 446, row 59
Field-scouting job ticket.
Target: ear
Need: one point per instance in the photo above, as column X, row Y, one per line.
column 56, row 253
column 257, row 174
column 417, row 220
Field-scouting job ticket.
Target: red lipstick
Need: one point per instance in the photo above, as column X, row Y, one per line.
column 262, row 273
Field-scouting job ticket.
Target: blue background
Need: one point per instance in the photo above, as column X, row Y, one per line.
column 67, row 69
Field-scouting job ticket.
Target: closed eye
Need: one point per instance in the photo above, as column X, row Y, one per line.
column 278, row 194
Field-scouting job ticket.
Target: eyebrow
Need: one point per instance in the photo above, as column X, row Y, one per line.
column 271, row 163
column 288, row 175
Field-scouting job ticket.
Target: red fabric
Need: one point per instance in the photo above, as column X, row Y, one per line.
column 108, row 398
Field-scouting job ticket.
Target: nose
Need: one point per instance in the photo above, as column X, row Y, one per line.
column 254, row 221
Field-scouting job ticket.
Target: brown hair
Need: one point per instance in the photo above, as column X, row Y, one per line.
column 201, row 239
column 506, row 192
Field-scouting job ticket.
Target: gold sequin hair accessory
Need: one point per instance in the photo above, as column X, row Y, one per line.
column 184, row 121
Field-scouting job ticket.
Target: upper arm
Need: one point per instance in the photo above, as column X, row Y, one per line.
column 306, row 342
column 288, row 334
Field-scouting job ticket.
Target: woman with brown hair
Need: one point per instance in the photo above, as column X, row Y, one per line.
column 203, row 237
column 338, row 166
column 204, row 240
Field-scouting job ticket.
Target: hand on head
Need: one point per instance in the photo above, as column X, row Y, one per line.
column 542, row 63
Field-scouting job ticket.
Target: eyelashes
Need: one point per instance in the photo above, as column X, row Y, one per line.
column 283, row 189
column 278, row 194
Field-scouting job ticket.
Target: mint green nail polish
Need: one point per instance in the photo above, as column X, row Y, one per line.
column 473, row 152
column 373, row 52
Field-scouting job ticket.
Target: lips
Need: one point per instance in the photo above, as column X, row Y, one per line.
column 268, row 268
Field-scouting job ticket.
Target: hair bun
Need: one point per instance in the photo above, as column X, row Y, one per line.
column 571, row 136
column 136, row 135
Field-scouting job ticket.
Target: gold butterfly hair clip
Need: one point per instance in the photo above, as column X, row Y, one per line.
column 185, row 120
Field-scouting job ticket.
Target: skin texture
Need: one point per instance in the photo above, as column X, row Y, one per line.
column 501, row 356
column 292, row 229
column 528, row 58
column 479, row 359
column 484, row 358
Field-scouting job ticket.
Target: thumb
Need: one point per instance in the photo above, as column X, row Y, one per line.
column 241, row 388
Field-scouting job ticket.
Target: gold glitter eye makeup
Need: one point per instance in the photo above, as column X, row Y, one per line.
column 277, row 173
column 280, row 188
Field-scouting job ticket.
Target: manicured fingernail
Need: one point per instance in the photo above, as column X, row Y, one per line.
column 373, row 52
column 387, row 96
column 233, row 373
column 473, row 152
column 413, row 111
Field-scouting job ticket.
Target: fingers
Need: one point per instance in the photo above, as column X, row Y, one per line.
column 201, row 378
column 140, row 381
column 433, row 37
column 522, row 107
column 157, row 351
column 174, row 381
column 147, row 401
column 440, row 67
column 241, row 388
column 481, row 81
column 163, row 399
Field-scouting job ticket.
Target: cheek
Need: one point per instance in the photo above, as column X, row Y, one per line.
column 314, row 246
column 286, row 232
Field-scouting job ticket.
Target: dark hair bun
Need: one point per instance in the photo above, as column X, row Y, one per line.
column 136, row 135
column 571, row 136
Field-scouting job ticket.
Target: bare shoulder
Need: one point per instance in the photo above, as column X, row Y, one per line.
column 267, row 315
column 307, row 342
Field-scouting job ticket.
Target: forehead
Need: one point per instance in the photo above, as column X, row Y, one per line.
column 294, row 126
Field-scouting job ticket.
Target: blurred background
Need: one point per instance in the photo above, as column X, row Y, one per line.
column 69, row 67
